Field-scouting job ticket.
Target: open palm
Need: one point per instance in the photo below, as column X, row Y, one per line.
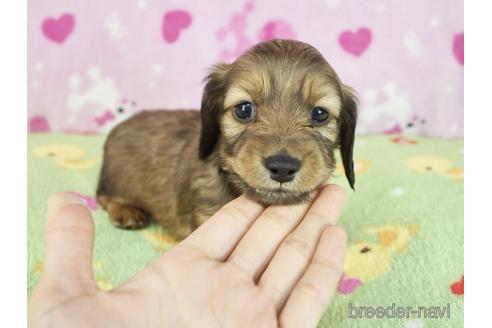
column 247, row 266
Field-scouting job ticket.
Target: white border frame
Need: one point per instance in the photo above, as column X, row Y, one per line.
column 478, row 162
column 13, row 242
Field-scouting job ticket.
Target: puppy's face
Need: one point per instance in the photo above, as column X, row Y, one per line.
column 275, row 117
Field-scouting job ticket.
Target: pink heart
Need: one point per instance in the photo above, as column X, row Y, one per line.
column 108, row 116
column 348, row 285
column 175, row 21
column 355, row 43
column 459, row 48
column 58, row 30
column 396, row 129
column 39, row 124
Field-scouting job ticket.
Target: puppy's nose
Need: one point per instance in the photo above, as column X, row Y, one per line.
column 282, row 168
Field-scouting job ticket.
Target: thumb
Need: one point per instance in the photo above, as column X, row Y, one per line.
column 69, row 241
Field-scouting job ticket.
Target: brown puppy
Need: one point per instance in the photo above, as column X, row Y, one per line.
column 270, row 123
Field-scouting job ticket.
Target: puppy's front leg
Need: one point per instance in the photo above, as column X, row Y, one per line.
column 208, row 200
column 179, row 232
column 124, row 215
column 205, row 208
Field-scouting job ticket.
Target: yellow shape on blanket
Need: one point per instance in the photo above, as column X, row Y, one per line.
column 96, row 265
column 38, row 268
column 395, row 237
column 455, row 173
column 104, row 284
column 435, row 164
column 65, row 155
column 159, row 240
column 386, row 238
column 77, row 163
column 367, row 260
column 360, row 167
column 428, row 163
column 59, row 151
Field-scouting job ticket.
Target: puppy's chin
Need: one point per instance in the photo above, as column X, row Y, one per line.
column 279, row 196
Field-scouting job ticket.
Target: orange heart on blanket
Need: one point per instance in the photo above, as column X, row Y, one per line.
column 458, row 287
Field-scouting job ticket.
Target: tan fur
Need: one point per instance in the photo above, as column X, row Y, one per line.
column 155, row 164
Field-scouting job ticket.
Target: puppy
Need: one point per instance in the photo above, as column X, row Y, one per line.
column 268, row 128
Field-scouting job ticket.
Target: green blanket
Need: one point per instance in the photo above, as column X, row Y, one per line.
column 404, row 221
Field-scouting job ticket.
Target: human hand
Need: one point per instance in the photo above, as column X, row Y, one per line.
column 244, row 267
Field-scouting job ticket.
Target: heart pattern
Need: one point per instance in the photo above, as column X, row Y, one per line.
column 371, row 49
column 458, row 287
column 348, row 285
column 102, row 120
column 173, row 23
column 459, row 48
column 39, row 124
column 58, row 30
column 355, row 43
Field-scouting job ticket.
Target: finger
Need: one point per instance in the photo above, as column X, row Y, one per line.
column 313, row 292
column 294, row 255
column 69, row 240
column 218, row 236
column 256, row 248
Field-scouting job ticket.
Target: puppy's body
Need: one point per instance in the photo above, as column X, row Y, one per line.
column 268, row 127
column 151, row 169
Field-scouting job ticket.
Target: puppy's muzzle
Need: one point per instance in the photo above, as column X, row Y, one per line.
column 283, row 168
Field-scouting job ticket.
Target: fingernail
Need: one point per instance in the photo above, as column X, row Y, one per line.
column 60, row 200
column 72, row 198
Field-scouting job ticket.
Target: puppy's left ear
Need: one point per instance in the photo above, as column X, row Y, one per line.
column 211, row 109
column 348, row 120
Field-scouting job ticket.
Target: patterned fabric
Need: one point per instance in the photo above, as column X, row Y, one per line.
column 93, row 63
column 404, row 222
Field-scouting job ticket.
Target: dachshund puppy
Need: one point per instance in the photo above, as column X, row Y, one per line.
column 268, row 128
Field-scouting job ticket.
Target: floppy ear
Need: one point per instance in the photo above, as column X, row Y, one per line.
column 348, row 119
column 211, row 109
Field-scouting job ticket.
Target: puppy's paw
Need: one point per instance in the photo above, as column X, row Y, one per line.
column 134, row 222
column 127, row 217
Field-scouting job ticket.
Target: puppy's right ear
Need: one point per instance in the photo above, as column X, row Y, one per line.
column 348, row 120
column 211, row 109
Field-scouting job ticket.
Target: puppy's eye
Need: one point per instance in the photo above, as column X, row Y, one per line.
column 245, row 112
column 319, row 115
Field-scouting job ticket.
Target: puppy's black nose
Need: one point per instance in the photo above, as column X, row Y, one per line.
column 282, row 168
